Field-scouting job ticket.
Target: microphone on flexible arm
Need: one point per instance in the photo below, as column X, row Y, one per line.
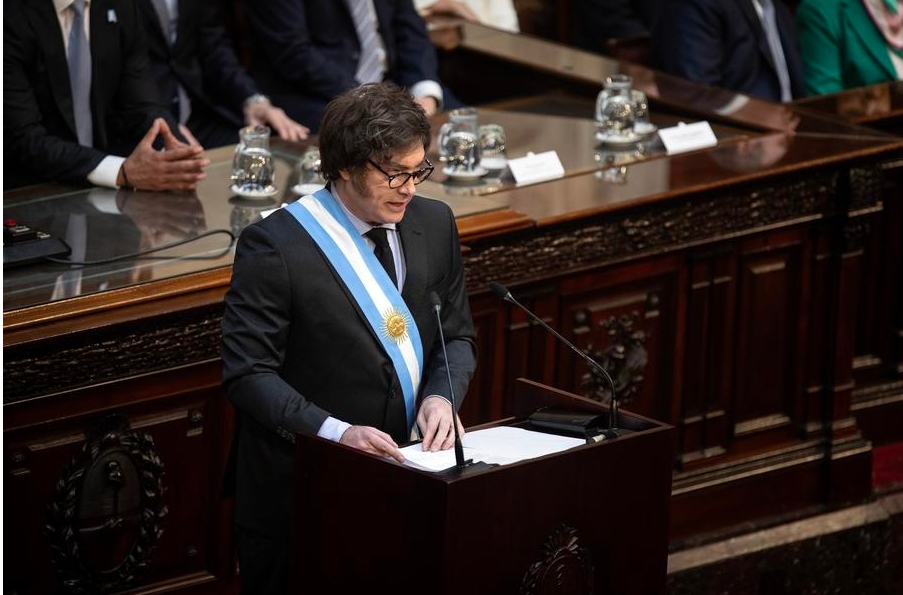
column 460, row 463
column 613, row 431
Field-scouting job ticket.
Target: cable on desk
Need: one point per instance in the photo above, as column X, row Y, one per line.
column 144, row 253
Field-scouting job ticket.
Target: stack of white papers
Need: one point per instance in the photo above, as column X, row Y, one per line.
column 500, row 445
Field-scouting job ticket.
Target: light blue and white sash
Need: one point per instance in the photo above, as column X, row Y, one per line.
column 360, row 271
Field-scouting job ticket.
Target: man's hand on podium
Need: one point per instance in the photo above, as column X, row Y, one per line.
column 369, row 439
column 435, row 422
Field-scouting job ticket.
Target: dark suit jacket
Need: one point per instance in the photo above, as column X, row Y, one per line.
column 306, row 51
column 39, row 137
column 597, row 21
column 297, row 349
column 722, row 43
column 204, row 62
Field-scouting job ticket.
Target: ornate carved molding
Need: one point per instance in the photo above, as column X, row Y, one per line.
column 155, row 344
column 107, row 512
column 566, row 567
column 866, row 186
column 625, row 359
column 660, row 227
column 855, row 234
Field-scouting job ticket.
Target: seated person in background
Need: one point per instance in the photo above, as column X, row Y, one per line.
column 310, row 51
column 748, row 46
column 494, row 13
column 70, row 105
column 195, row 66
column 597, row 21
column 850, row 43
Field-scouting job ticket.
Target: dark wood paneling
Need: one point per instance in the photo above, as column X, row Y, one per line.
column 182, row 415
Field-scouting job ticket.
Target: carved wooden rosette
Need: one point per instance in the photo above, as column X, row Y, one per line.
column 107, row 512
column 566, row 567
column 625, row 359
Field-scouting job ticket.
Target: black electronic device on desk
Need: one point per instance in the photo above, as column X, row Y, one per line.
column 24, row 245
column 590, row 426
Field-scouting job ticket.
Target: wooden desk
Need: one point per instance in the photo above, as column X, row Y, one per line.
column 749, row 295
column 877, row 106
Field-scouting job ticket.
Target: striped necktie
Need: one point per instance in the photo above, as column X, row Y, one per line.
column 369, row 66
column 770, row 24
column 80, row 75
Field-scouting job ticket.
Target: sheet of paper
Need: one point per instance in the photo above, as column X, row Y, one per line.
column 501, row 445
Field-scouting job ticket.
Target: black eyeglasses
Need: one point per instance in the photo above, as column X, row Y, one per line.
column 399, row 180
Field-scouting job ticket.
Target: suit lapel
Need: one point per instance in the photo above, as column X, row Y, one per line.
column 152, row 16
column 413, row 242
column 870, row 38
column 43, row 19
column 106, row 52
column 755, row 23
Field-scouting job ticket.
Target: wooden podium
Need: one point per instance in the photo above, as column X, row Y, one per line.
column 590, row 519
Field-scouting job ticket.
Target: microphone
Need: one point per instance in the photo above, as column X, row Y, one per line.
column 613, row 431
column 460, row 463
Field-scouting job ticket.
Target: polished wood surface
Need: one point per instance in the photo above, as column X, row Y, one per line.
column 597, row 513
column 877, row 106
column 748, row 294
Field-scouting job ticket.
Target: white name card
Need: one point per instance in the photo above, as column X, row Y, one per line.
column 537, row 167
column 687, row 137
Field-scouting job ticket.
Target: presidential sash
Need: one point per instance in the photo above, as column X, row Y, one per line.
column 369, row 283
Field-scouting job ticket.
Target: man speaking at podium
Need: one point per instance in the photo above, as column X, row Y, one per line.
column 329, row 328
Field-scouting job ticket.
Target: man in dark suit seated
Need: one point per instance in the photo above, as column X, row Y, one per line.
column 76, row 94
column 309, row 51
column 195, row 66
column 323, row 335
column 597, row 21
column 748, row 46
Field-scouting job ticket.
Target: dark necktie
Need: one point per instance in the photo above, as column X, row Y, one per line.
column 169, row 23
column 383, row 251
column 80, row 75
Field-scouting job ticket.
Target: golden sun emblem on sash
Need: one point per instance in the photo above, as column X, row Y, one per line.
column 395, row 326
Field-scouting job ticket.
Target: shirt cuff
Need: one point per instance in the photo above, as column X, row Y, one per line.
column 106, row 172
column 332, row 429
column 438, row 397
column 428, row 89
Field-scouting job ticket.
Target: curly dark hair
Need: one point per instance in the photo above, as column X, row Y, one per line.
column 374, row 121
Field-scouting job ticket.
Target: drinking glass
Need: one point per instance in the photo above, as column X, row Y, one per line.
column 307, row 170
column 493, row 146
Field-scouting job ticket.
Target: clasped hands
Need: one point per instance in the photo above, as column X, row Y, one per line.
column 179, row 166
column 434, row 420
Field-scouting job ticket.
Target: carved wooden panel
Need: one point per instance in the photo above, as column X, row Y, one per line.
column 626, row 317
column 79, row 525
column 159, row 343
column 875, row 255
column 710, row 320
column 630, row 234
column 566, row 567
column 770, row 329
column 486, row 399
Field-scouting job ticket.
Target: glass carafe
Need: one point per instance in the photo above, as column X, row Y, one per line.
column 252, row 164
column 617, row 107
column 459, row 140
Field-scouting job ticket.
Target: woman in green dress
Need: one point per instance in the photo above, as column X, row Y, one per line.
column 850, row 43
